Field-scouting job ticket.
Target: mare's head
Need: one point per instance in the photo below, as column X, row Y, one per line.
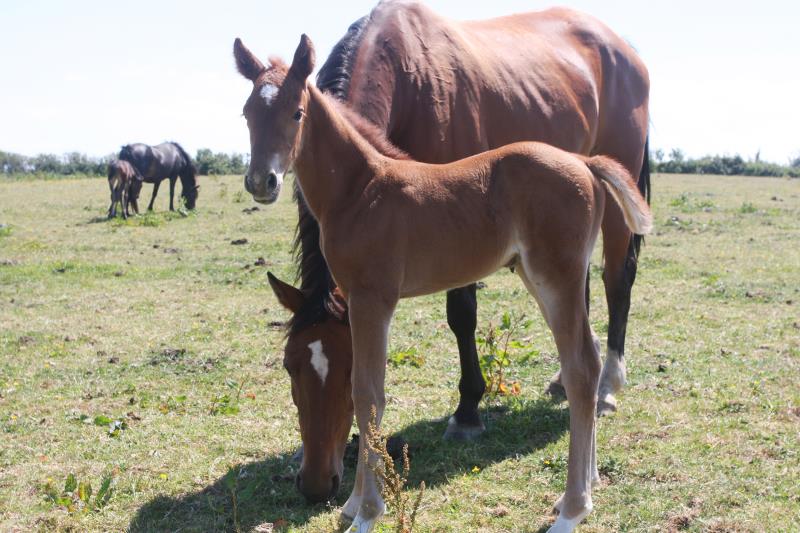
column 319, row 360
column 274, row 113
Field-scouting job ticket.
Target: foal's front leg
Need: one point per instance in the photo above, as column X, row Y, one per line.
column 370, row 315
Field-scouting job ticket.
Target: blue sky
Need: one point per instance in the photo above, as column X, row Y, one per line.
column 89, row 76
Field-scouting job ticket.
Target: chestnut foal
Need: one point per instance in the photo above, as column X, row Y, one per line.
column 394, row 229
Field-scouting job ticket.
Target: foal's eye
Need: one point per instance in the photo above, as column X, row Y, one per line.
column 298, row 115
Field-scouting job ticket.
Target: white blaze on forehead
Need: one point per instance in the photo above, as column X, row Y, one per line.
column 268, row 93
column 319, row 360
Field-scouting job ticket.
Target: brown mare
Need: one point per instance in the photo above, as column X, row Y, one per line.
column 125, row 184
column 442, row 90
column 394, row 229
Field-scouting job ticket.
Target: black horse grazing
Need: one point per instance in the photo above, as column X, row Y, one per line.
column 165, row 160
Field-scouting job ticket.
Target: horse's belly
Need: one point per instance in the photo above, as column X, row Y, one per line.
column 447, row 268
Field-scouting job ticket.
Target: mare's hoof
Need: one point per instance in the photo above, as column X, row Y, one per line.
column 606, row 405
column 556, row 391
column 459, row 432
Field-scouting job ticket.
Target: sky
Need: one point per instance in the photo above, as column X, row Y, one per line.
column 89, row 76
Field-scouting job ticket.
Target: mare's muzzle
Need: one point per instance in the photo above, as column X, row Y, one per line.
column 323, row 492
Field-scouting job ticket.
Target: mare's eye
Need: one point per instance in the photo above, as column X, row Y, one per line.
column 298, row 115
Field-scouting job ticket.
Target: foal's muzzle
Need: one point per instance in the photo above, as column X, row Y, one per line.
column 265, row 189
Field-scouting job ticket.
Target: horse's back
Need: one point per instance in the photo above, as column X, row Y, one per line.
column 556, row 76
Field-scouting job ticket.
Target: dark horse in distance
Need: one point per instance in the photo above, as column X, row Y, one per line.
column 162, row 161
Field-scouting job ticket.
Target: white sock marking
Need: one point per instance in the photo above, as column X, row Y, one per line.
column 319, row 360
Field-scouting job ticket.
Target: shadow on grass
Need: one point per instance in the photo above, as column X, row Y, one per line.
column 264, row 490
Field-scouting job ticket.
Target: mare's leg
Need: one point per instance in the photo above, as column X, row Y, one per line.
column 172, row 180
column 370, row 315
column 156, row 185
column 619, row 274
column 563, row 304
column 462, row 310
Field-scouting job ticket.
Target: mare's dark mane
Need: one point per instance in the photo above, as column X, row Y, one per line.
column 315, row 278
column 334, row 76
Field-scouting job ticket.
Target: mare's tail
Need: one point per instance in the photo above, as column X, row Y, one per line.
column 624, row 190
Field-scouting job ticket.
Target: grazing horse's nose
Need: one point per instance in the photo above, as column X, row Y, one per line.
column 318, row 494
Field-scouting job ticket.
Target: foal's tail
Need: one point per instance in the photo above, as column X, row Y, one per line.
column 624, row 190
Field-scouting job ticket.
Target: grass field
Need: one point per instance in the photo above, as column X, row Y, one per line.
column 149, row 353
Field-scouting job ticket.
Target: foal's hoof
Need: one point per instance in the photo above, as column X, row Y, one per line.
column 462, row 432
column 556, row 391
column 606, row 405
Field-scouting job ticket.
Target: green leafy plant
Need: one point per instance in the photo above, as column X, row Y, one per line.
column 407, row 357
column 225, row 404
column 76, row 496
column 496, row 345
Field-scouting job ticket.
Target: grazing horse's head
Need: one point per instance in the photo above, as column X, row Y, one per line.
column 319, row 360
column 274, row 113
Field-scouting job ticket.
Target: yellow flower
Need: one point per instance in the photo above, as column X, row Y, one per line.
column 163, row 476
column 475, row 469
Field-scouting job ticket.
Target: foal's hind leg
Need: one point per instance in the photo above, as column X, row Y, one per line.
column 561, row 302
column 555, row 388
column 462, row 310
column 124, row 202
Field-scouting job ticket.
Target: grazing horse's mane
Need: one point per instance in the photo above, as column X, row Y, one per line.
column 315, row 278
column 189, row 171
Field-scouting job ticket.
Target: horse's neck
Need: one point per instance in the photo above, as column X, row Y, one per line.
column 333, row 160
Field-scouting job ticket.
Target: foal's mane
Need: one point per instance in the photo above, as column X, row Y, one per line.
column 316, row 281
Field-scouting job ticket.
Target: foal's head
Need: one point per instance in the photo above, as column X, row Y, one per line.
column 274, row 113
column 319, row 361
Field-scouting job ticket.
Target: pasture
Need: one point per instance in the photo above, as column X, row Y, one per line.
column 148, row 353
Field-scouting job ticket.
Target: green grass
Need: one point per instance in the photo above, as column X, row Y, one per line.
column 146, row 351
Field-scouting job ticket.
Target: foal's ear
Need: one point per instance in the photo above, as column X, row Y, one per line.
column 304, row 58
column 248, row 64
column 289, row 297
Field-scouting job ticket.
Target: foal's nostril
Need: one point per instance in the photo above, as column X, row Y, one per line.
column 272, row 180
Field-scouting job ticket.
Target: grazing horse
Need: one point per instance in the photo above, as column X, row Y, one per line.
column 164, row 161
column 394, row 229
column 125, row 184
column 442, row 90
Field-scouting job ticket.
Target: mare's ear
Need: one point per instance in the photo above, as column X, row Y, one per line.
column 290, row 297
column 248, row 64
column 304, row 59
